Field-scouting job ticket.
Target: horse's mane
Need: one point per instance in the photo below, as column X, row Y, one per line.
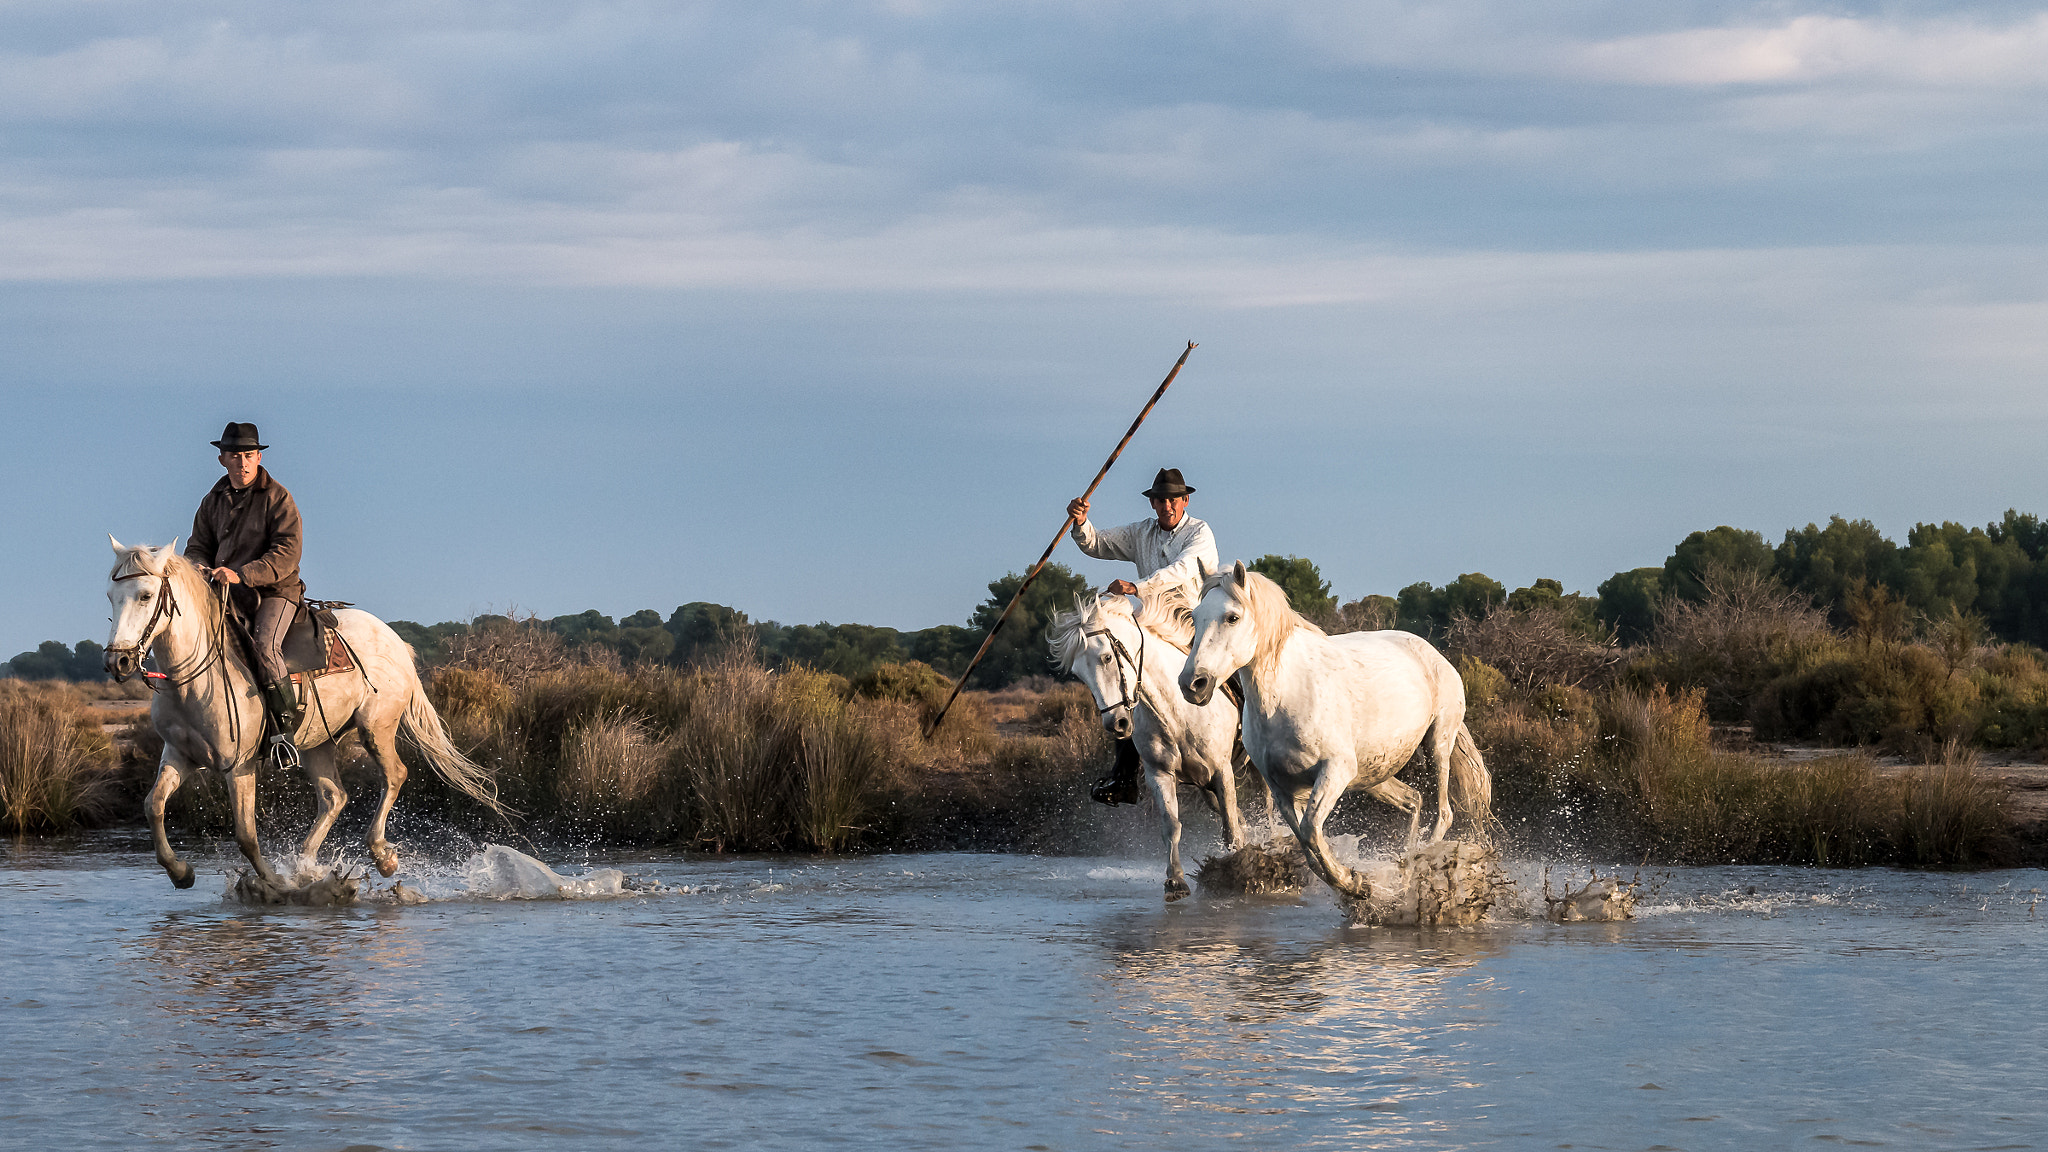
column 181, row 571
column 1271, row 615
column 1164, row 614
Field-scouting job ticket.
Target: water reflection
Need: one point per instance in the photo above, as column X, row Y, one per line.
column 1226, row 1013
column 263, row 1005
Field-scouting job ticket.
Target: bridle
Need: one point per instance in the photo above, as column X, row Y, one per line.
column 1131, row 694
column 166, row 608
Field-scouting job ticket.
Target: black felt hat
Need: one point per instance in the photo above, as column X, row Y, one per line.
column 1167, row 485
column 242, row 438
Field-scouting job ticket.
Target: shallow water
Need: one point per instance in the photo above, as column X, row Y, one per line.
column 951, row 1001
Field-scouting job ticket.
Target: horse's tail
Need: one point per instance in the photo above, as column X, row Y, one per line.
column 423, row 726
column 1471, row 784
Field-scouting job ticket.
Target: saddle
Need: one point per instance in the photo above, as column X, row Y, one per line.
column 313, row 646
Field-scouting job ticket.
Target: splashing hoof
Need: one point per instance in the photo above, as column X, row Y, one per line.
column 1176, row 889
column 329, row 890
column 1256, row 870
column 181, row 873
column 387, row 860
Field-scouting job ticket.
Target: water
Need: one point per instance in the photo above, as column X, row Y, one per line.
column 961, row 1001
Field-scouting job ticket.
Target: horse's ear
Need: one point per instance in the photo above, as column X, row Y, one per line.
column 120, row 549
column 1202, row 569
column 1238, row 574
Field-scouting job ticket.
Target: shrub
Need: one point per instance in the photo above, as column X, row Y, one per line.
column 1540, row 645
column 57, row 769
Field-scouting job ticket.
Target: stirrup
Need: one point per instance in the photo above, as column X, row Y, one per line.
column 284, row 753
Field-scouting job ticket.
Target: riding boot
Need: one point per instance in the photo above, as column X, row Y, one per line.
column 1121, row 785
column 280, row 703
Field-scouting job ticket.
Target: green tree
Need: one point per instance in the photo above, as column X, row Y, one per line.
column 1722, row 549
column 1428, row 611
column 1628, row 603
column 1019, row 649
column 1826, row 562
column 946, row 647
column 587, row 627
column 847, row 649
column 701, row 628
column 1307, row 592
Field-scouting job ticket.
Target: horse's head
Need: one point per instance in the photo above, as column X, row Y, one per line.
column 1099, row 644
column 139, row 588
column 1226, row 632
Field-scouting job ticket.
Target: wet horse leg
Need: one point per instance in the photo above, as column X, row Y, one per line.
column 1332, row 777
column 384, row 750
column 1222, row 794
column 1443, row 741
column 1397, row 793
column 169, row 775
column 1166, row 790
column 325, row 776
column 243, row 786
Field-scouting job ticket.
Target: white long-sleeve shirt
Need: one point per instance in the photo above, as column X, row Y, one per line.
column 1164, row 559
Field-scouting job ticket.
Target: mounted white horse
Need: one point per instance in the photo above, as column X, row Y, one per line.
column 210, row 715
column 1128, row 662
column 1325, row 712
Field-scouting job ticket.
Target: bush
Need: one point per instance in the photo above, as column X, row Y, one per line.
column 57, row 769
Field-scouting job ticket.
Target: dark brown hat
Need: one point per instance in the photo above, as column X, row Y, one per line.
column 1167, row 485
column 242, row 438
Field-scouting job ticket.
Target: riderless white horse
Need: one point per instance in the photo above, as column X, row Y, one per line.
column 210, row 715
column 1325, row 712
column 1127, row 660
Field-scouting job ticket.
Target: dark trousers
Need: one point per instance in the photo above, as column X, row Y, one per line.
column 273, row 619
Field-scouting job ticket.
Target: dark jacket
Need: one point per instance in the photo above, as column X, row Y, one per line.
column 254, row 531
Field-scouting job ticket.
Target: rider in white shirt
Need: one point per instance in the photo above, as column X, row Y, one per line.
column 1165, row 549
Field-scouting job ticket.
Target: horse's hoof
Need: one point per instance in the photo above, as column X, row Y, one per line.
column 181, row 874
column 387, row 860
column 1176, row 890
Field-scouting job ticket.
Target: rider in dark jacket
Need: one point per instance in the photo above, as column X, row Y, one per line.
column 247, row 535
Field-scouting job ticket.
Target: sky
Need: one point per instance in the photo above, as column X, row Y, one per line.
column 823, row 311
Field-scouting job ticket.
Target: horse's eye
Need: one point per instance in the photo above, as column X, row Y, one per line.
column 1232, row 618
column 145, row 596
column 1105, row 657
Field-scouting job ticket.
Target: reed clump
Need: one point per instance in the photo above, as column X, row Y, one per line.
column 58, row 769
column 1639, row 771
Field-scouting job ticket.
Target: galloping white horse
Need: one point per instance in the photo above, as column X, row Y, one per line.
column 210, row 715
column 1127, row 662
column 1323, row 712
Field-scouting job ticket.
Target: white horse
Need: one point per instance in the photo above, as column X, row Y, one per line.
column 1324, row 712
column 1127, row 661
column 210, row 715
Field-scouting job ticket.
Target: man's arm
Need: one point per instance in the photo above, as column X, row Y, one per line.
column 200, row 545
column 281, row 558
column 1200, row 546
column 1107, row 543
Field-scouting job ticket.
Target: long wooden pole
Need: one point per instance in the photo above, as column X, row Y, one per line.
column 1064, row 526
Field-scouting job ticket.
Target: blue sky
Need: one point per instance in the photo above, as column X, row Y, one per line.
column 823, row 311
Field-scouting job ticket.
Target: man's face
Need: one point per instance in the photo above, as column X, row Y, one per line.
column 242, row 467
column 1169, row 509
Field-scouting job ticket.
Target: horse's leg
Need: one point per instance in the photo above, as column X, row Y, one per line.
column 1166, row 789
column 1223, row 795
column 384, row 750
column 1331, row 779
column 169, row 775
column 325, row 775
column 1396, row 792
column 243, row 786
column 1443, row 740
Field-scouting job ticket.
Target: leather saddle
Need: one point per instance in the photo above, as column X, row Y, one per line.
column 313, row 646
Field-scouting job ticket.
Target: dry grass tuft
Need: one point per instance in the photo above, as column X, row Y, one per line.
column 57, row 769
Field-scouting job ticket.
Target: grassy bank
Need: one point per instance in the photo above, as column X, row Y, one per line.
column 732, row 756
